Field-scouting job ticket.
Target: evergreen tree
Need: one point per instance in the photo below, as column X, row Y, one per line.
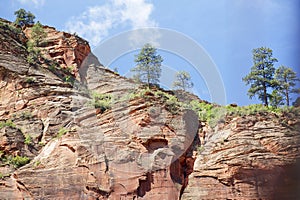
column 286, row 79
column 24, row 18
column 183, row 80
column 276, row 99
column 148, row 68
column 261, row 76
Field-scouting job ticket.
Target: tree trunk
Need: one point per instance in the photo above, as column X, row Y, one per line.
column 287, row 97
column 287, row 91
column 265, row 95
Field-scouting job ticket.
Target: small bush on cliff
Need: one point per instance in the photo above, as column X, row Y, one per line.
column 28, row 139
column 171, row 102
column 204, row 110
column 19, row 161
column 38, row 34
column 7, row 123
column 6, row 26
column 101, row 101
column 15, row 161
column 62, row 131
column 33, row 53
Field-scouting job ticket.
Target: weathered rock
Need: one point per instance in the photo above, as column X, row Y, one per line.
column 127, row 152
column 68, row 50
column 248, row 159
column 137, row 149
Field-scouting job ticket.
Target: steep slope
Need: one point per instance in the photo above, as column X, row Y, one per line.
column 135, row 149
column 71, row 128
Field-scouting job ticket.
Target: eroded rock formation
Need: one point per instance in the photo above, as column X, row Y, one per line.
column 256, row 157
column 137, row 149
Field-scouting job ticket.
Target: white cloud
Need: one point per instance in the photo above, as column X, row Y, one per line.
column 96, row 22
column 37, row 3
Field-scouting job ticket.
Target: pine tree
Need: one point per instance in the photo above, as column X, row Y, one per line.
column 261, row 76
column 276, row 99
column 286, row 79
column 148, row 68
column 183, row 80
column 24, row 18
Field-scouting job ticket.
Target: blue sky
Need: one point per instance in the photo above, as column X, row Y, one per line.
column 226, row 29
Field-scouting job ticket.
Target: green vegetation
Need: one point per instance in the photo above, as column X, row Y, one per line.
column 213, row 114
column 2, row 176
column 26, row 115
column 8, row 26
column 261, row 76
column 269, row 85
column 276, row 99
column 200, row 149
column 37, row 163
column 15, row 161
column 62, row 131
column 24, row 18
column 28, row 139
column 41, row 144
column 52, row 67
column 7, row 123
column 148, row 68
column 19, row 161
column 69, row 79
column 71, row 68
column 101, row 101
column 29, row 80
column 38, row 34
column 286, row 80
column 183, row 81
column 33, row 53
column 171, row 103
column 207, row 112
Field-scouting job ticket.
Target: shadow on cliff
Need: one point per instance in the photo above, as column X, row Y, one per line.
column 288, row 183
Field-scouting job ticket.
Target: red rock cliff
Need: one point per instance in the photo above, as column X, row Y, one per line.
column 142, row 147
column 65, row 48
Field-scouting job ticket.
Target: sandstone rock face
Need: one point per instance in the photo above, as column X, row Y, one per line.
column 68, row 50
column 251, row 158
column 138, row 148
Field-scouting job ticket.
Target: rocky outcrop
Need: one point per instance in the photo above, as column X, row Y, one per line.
column 138, row 148
column 256, row 157
column 68, row 50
